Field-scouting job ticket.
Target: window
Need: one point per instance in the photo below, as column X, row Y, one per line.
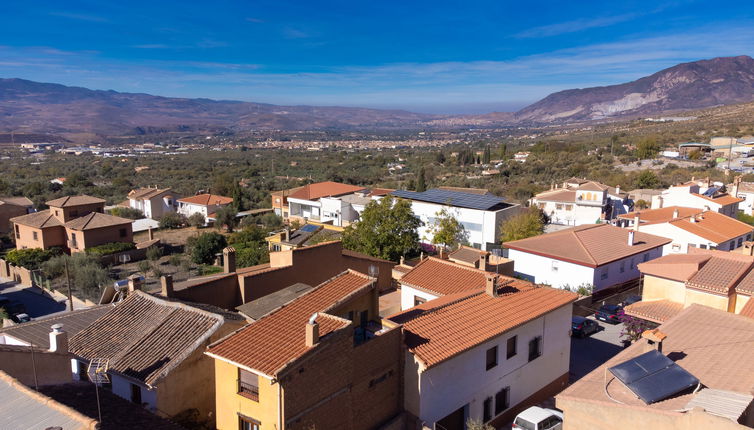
column 568, row 207
column 559, row 207
column 511, row 347
column 704, row 246
column 123, row 232
column 246, row 423
column 18, row 233
column 732, row 245
column 350, row 316
column 622, row 266
column 740, row 241
column 676, row 247
column 554, row 265
column 135, row 394
column 603, row 273
column 541, row 205
column 34, row 234
column 645, row 257
column 502, row 400
column 632, row 265
column 487, row 412
column 73, row 240
column 748, row 236
column 419, row 301
column 535, row 348
column 248, row 384
column 491, row 358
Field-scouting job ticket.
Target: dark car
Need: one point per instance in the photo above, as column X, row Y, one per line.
column 609, row 313
column 581, row 327
column 630, row 300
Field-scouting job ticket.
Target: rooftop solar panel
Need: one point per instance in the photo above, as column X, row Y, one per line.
column 455, row 198
column 653, row 377
column 309, row 228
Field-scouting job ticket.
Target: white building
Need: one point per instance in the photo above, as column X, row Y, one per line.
column 153, row 202
column 691, row 227
column 698, row 194
column 482, row 355
column 600, row 255
column 480, row 215
column 205, row 204
column 745, row 192
column 580, row 202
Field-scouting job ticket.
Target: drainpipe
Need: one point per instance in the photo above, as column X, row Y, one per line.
column 280, row 405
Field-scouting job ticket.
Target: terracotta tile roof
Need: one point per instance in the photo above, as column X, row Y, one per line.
column 146, row 193
column 713, row 226
column 145, row 337
column 467, row 254
column 748, row 309
column 722, row 273
column 37, row 332
column 592, row 186
column 442, row 277
column 69, row 201
column 269, row 344
column 657, row 311
column 96, row 220
column 16, row 201
column 207, row 200
column 41, row 219
column 746, row 285
column 713, row 345
column 323, row 189
column 446, row 331
column 652, row 216
column 559, row 195
column 722, row 199
column 678, row 267
column 590, row 245
column 380, row 191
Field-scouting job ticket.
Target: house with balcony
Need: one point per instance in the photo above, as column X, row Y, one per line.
column 205, row 204
column 73, row 223
column 600, row 255
column 480, row 214
column 486, row 353
column 153, row 202
column 321, row 360
column 580, row 201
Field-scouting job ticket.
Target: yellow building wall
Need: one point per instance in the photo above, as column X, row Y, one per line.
column 229, row 403
column 656, row 288
column 741, row 302
column 706, row 299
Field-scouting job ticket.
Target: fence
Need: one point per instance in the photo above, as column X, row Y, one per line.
column 19, row 274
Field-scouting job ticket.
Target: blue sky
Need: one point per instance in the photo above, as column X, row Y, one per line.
column 427, row 56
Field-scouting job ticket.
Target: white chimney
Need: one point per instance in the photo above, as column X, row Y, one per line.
column 630, row 238
column 58, row 339
column 675, row 213
column 312, row 331
column 693, row 219
column 637, row 221
column 617, row 189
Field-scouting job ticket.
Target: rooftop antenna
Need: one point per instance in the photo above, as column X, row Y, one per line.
column 97, row 372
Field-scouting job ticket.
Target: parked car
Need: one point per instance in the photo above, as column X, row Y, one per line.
column 630, row 300
column 609, row 313
column 581, row 327
column 536, row 418
column 20, row 318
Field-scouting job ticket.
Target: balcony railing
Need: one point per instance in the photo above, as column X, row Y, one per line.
column 249, row 391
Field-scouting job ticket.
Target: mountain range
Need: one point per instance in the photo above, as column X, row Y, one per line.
column 54, row 108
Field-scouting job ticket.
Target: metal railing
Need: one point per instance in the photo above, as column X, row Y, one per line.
column 248, row 390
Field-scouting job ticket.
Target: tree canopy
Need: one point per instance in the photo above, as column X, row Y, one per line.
column 387, row 229
column 526, row 224
column 446, row 230
column 204, row 247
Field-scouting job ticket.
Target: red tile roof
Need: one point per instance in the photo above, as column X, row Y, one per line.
column 207, row 200
column 589, row 245
column 442, row 277
column 722, row 199
column 721, row 273
column 678, row 267
column 268, row 345
column 748, row 309
column 96, row 220
column 651, row 216
column 657, row 311
column 467, row 254
column 559, row 195
column 713, row 226
column 41, row 219
column 446, row 331
column 69, row 201
column 323, row 189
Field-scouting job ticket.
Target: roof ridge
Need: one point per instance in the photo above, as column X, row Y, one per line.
column 581, row 244
column 454, row 264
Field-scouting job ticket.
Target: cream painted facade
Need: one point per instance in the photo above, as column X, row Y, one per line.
column 231, row 405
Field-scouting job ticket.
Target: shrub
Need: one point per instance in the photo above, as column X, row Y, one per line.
column 196, row 220
column 154, row 253
column 144, row 266
column 172, row 220
column 31, row 258
column 110, row 248
column 206, row 269
column 748, row 219
column 125, row 212
column 204, row 247
column 86, row 273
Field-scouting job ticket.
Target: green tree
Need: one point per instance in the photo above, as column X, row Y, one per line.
column 487, row 155
column 226, row 217
column 203, row 248
column 440, row 157
column 503, row 151
column 172, row 220
column 421, row 181
column 647, row 148
column 87, row 275
column 125, row 212
column 523, row 225
column 647, row 179
column 196, row 219
column 31, row 258
column 446, row 230
column 387, row 229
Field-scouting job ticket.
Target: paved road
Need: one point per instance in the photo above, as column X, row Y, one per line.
column 37, row 304
column 590, row 352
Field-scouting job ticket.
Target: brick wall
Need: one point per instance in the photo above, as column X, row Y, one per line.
column 17, row 273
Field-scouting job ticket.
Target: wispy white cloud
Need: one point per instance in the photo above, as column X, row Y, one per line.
column 255, row 20
column 574, row 26
column 80, row 16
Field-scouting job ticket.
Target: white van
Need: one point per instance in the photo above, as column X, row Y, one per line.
column 536, row 418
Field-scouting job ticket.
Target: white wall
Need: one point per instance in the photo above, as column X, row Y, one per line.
column 188, row 209
column 122, row 388
column 408, row 294
column 463, row 379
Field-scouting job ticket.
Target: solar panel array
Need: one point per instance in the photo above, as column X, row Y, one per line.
column 653, row 377
column 454, row 198
column 309, row 228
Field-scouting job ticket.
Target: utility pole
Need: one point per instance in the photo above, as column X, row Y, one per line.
column 68, row 278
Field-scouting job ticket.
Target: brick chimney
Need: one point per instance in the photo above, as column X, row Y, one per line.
column 482, row 263
column 166, row 281
column 58, row 339
column 229, row 259
column 653, row 339
column 490, row 285
column 135, row 283
column 312, row 331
